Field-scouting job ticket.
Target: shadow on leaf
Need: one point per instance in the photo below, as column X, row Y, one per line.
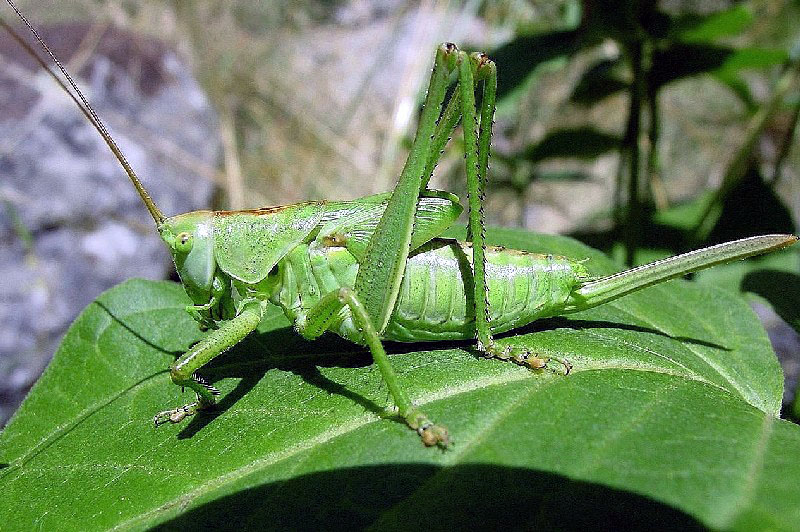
column 285, row 350
column 134, row 330
column 578, row 325
column 427, row 497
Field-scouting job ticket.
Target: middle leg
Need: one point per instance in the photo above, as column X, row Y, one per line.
column 317, row 321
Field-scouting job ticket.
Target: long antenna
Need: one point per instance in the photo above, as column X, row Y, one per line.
column 84, row 106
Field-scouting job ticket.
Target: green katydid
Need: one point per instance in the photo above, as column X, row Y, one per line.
column 375, row 268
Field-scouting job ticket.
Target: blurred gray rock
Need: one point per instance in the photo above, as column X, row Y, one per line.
column 71, row 224
column 786, row 343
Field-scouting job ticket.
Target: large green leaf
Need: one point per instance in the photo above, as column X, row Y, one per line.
column 674, row 398
column 707, row 28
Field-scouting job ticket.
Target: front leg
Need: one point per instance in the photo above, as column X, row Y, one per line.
column 317, row 321
column 206, row 315
column 182, row 372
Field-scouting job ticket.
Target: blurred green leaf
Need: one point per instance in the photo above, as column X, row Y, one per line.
column 752, row 57
column 675, row 393
column 706, row 28
column 686, row 215
column 581, row 143
column 734, row 81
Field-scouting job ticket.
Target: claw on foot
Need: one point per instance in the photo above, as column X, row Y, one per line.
column 526, row 358
column 176, row 415
column 430, row 433
column 564, row 362
column 434, row 435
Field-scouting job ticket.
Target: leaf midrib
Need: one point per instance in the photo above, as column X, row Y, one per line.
column 444, row 393
column 751, row 398
column 728, row 514
column 64, row 428
column 357, row 423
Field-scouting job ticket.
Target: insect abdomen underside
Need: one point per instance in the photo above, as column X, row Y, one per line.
column 436, row 296
column 435, row 300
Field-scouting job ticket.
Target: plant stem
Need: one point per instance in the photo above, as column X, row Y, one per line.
column 631, row 146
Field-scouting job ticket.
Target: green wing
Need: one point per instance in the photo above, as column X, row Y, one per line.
column 352, row 223
column 248, row 244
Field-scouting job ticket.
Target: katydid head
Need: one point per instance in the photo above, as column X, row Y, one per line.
column 190, row 239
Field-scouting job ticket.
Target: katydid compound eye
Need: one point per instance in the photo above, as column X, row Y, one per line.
column 183, row 242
